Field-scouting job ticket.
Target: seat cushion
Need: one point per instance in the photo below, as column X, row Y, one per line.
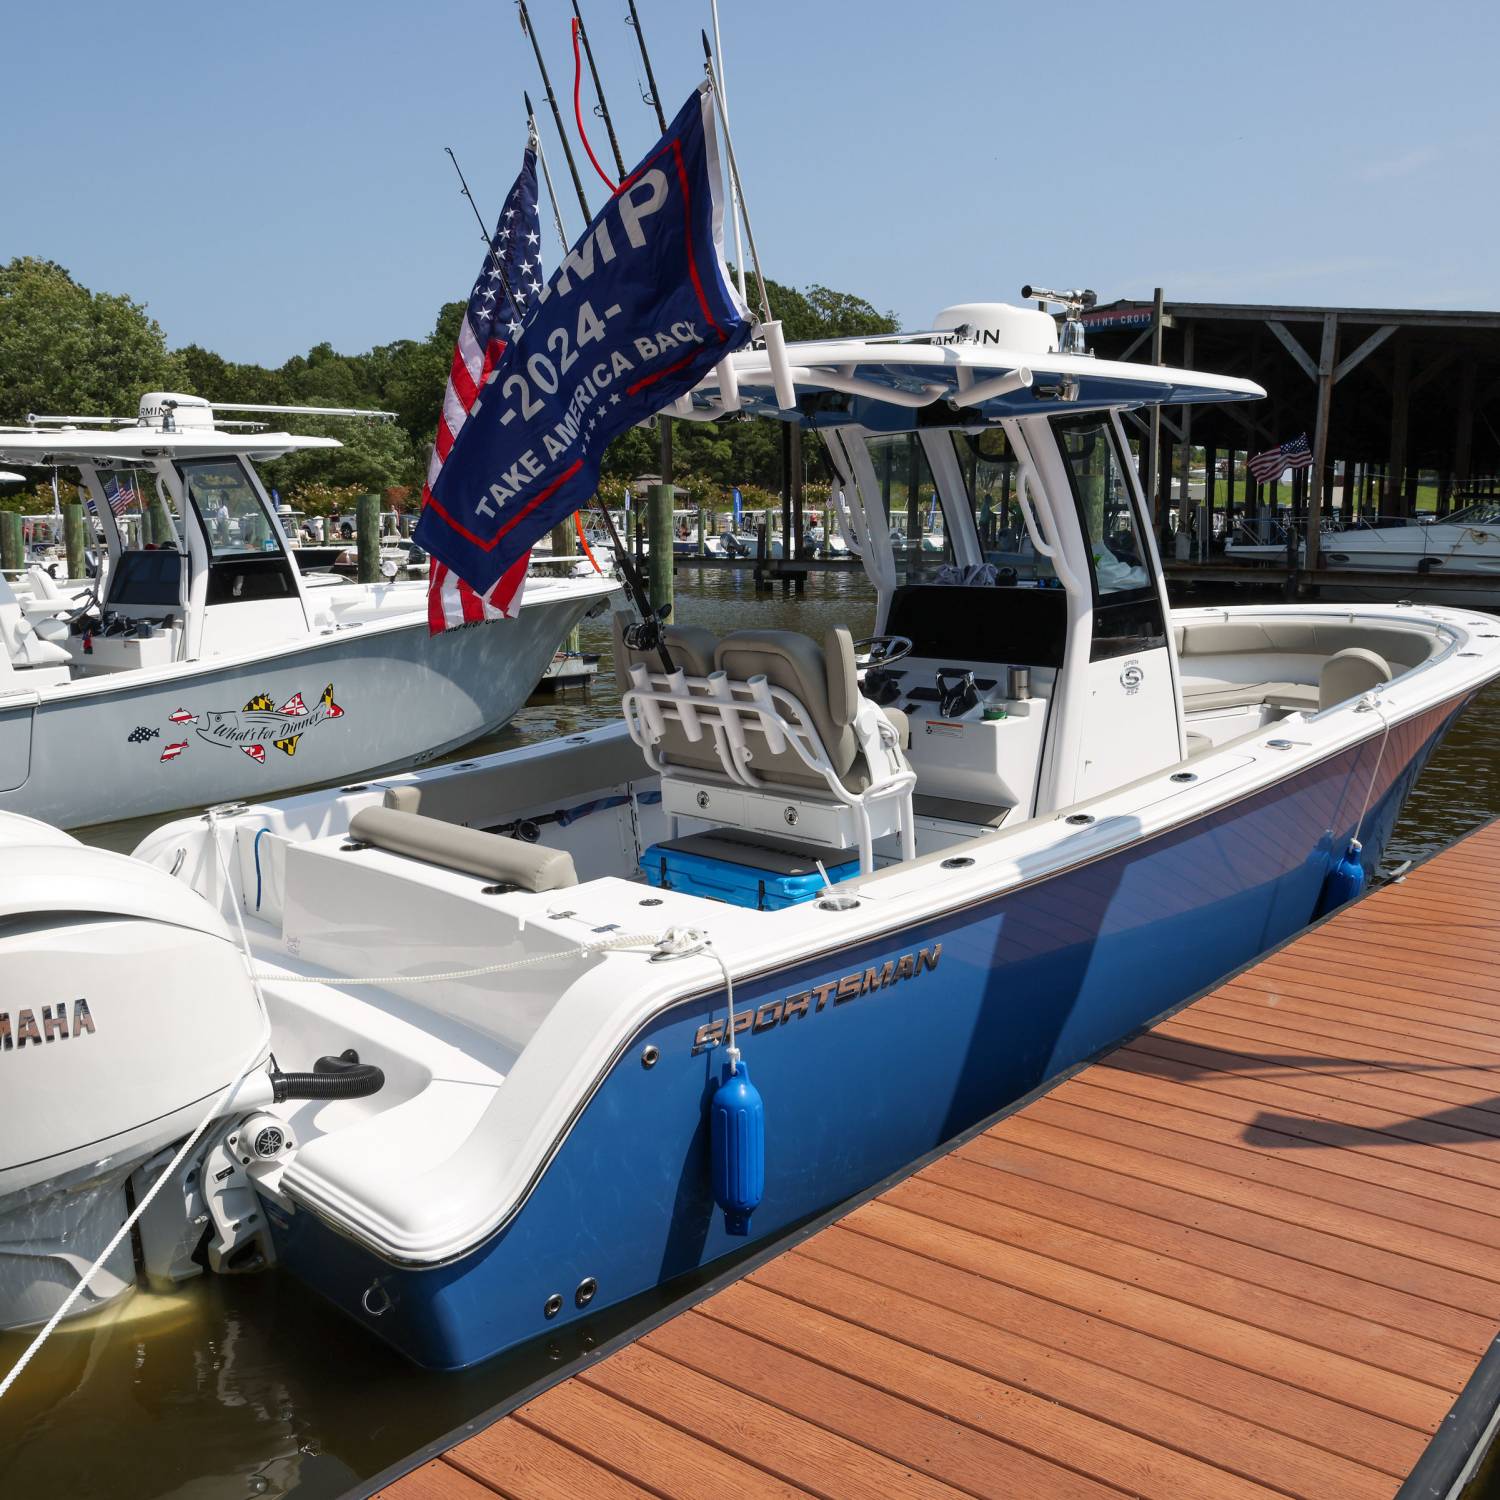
column 1348, row 673
column 531, row 867
column 1207, row 697
column 792, row 662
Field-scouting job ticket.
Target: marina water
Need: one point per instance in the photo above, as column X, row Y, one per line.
column 249, row 1386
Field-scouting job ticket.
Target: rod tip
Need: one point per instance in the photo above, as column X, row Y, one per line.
column 707, row 50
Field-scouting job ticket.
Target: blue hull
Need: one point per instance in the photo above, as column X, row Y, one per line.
column 1028, row 985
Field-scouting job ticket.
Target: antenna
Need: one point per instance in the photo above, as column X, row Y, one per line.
column 734, row 192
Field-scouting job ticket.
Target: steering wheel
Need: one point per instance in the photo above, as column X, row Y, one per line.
column 880, row 650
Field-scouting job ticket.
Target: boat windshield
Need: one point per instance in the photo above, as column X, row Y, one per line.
column 919, row 533
column 1481, row 513
column 234, row 520
column 1103, row 495
column 145, row 512
column 988, row 464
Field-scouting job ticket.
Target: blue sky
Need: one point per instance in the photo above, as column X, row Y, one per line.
column 272, row 176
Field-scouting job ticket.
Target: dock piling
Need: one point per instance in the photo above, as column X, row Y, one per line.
column 12, row 544
column 77, row 539
column 367, row 534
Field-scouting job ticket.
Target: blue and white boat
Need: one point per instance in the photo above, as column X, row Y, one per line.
column 595, row 1013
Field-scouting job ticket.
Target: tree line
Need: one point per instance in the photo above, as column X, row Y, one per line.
column 67, row 350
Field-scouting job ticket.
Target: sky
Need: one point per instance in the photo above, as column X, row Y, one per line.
column 270, row 177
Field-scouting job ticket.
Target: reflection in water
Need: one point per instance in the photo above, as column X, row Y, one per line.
column 247, row 1386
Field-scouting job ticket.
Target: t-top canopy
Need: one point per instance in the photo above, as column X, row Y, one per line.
column 983, row 362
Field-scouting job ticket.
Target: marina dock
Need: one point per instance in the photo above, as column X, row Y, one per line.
column 1253, row 1251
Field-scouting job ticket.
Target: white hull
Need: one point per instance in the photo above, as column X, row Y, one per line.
column 106, row 748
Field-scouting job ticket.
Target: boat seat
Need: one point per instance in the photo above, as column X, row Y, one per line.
column 20, row 643
column 1348, row 673
column 507, row 861
column 1210, row 697
column 772, row 720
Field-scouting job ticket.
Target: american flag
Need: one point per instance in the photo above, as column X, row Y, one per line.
column 121, row 494
column 509, row 278
column 1271, row 464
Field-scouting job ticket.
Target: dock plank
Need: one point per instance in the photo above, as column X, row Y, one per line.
column 1254, row 1251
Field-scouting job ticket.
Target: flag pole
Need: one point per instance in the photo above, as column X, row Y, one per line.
column 770, row 329
column 541, row 156
column 526, row 27
column 734, row 192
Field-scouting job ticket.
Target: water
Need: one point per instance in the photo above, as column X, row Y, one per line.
column 247, row 1386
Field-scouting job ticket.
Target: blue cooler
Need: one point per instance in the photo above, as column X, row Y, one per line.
column 764, row 874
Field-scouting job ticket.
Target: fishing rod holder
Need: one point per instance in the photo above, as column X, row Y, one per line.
column 1073, row 304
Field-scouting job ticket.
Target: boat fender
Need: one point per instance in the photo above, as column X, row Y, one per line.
column 341, row 1077
column 737, row 1143
column 1344, row 883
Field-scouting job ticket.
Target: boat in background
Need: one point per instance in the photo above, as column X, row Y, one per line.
column 204, row 666
column 903, row 883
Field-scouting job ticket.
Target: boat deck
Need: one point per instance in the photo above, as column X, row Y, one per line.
column 1255, row 1251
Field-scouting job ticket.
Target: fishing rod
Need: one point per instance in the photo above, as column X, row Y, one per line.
column 541, row 156
column 526, row 27
column 484, row 233
column 654, row 97
column 602, row 108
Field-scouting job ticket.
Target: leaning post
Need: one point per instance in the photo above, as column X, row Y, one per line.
column 367, row 534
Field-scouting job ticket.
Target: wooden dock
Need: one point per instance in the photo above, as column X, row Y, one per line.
column 1255, row 1251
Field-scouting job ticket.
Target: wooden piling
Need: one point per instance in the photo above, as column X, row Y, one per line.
column 660, row 538
column 367, row 537
column 76, row 534
column 12, row 543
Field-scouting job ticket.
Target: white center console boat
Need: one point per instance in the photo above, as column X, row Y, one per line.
column 900, row 885
column 206, row 665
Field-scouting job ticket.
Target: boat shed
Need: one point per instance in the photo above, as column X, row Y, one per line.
column 1390, row 399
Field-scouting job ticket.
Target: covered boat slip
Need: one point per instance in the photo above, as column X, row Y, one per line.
column 1254, row 1251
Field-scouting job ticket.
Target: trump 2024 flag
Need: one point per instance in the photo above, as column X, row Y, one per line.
column 640, row 309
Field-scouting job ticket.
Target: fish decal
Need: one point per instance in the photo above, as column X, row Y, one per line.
column 171, row 752
column 182, row 716
column 261, row 724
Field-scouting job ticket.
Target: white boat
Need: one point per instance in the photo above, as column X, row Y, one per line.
column 207, row 667
column 1466, row 540
column 903, row 888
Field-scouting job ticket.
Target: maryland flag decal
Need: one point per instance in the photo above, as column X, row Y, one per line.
column 260, row 723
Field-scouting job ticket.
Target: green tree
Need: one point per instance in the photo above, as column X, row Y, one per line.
column 67, row 350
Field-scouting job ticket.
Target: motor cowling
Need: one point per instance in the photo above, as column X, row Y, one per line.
column 125, row 1008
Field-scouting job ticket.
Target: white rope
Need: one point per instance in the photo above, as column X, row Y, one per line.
column 182, row 1151
column 582, row 950
column 83, row 1281
column 1375, row 774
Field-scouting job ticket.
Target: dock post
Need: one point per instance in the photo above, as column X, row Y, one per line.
column 659, row 539
column 762, row 553
column 701, row 551
column 76, row 534
column 12, row 543
column 367, row 534
column 565, row 544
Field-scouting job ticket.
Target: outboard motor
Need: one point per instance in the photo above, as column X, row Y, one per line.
column 125, row 1008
